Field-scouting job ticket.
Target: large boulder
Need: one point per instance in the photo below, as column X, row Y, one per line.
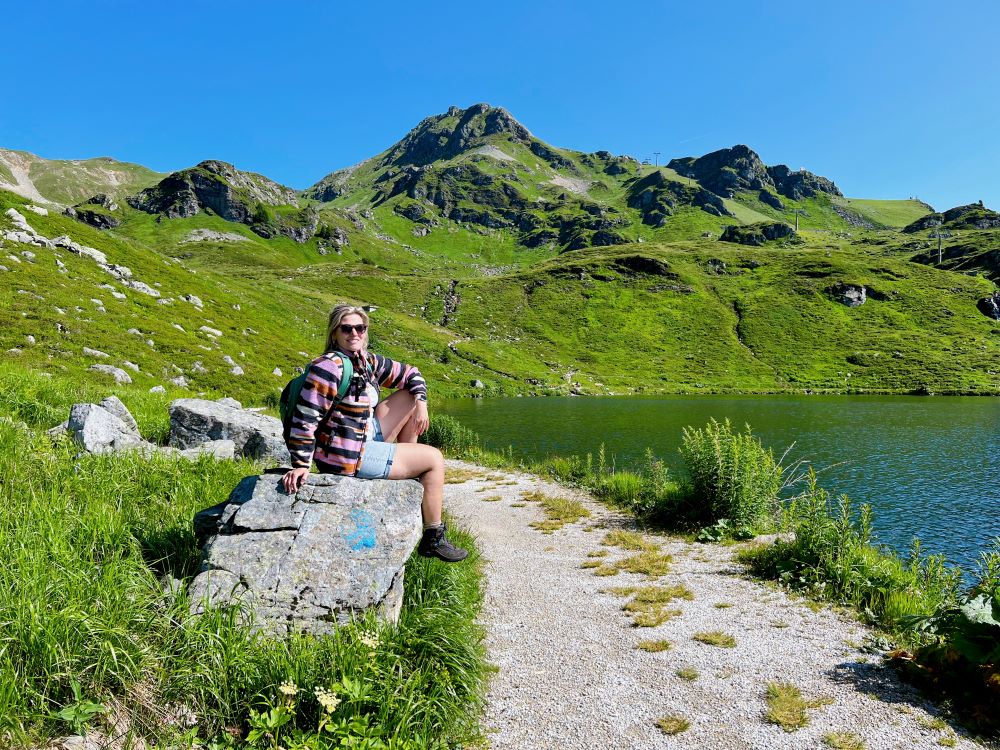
column 851, row 295
column 195, row 421
column 98, row 430
column 311, row 560
column 758, row 234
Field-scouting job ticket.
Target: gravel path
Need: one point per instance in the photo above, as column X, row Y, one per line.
column 570, row 675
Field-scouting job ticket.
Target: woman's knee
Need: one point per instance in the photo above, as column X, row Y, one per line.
column 414, row 460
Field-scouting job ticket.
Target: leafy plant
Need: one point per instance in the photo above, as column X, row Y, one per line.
column 733, row 476
column 81, row 711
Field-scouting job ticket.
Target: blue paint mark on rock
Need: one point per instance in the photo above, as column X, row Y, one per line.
column 362, row 534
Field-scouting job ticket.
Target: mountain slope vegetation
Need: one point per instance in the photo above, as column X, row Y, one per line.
column 502, row 265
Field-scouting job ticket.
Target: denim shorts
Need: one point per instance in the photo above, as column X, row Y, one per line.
column 376, row 460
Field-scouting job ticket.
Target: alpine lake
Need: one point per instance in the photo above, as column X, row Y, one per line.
column 928, row 466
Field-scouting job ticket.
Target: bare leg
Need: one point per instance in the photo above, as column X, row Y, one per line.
column 394, row 414
column 425, row 463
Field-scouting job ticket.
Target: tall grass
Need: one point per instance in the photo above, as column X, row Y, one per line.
column 86, row 541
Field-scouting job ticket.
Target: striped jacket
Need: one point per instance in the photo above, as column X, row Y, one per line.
column 336, row 444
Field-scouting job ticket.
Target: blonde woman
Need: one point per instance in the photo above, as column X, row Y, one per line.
column 360, row 435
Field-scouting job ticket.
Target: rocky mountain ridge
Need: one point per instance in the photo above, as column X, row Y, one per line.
column 478, row 172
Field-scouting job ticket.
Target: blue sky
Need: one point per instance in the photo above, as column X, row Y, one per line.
column 889, row 99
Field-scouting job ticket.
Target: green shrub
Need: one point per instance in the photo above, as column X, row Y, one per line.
column 732, row 476
column 959, row 654
column 832, row 557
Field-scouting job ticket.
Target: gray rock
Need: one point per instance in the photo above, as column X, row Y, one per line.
column 276, row 372
column 852, row 295
column 230, row 402
column 180, row 381
column 99, row 431
column 58, row 430
column 157, row 389
column 195, row 421
column 141, row 287
column 478, row 384
column 131, row 365
column 222, row 450
column 990, row 306
column 114, row 405
column 193, row 299
column 214, row 332
column 235, row 370
column 117, row 373
column 312, row 560
column 95, row 353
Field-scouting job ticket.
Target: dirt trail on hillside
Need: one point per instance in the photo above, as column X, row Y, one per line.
column 570, row 674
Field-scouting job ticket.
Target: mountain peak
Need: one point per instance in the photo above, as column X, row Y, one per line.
column 457, row 130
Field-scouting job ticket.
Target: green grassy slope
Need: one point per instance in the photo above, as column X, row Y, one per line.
column 636, row 318
column 69, row 181
column 891, row 213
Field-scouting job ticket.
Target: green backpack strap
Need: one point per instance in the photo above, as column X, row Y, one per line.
column 345, row 379
column 290, row 395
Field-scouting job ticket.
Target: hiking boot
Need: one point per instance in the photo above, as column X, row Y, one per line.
column 435, row 543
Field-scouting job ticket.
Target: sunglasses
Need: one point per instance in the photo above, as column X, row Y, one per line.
column 348, row 328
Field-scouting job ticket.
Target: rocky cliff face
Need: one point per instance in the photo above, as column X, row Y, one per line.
column 232, row 194
column 738, row 169
column 971, row 216
column 659, row 198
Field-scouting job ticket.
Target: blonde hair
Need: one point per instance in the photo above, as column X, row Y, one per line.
column 337, row 314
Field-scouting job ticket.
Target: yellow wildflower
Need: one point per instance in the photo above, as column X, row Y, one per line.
column 288, row 689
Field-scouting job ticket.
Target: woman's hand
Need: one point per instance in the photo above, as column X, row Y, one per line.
column 294, row 479
column 420, row 419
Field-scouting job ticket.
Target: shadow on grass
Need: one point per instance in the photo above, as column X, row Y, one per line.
column 172, row 551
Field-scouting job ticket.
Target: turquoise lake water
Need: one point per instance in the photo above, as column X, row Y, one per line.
column 930, row 467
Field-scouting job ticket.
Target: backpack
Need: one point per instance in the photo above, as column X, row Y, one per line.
column 290, row 396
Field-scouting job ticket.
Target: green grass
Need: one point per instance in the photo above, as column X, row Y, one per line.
column 891, row 213
column 787, row 708
column 86, row 541
column 771, row 328
column 654, row 647
column 559, row 511
column 715, row 638
column 629, row 540
column 671, row 725
column 688, row 674
column 843, row 741
column 832, row 557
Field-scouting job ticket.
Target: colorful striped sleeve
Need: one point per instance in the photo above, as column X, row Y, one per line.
column 318, row 395
column 392, row 374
